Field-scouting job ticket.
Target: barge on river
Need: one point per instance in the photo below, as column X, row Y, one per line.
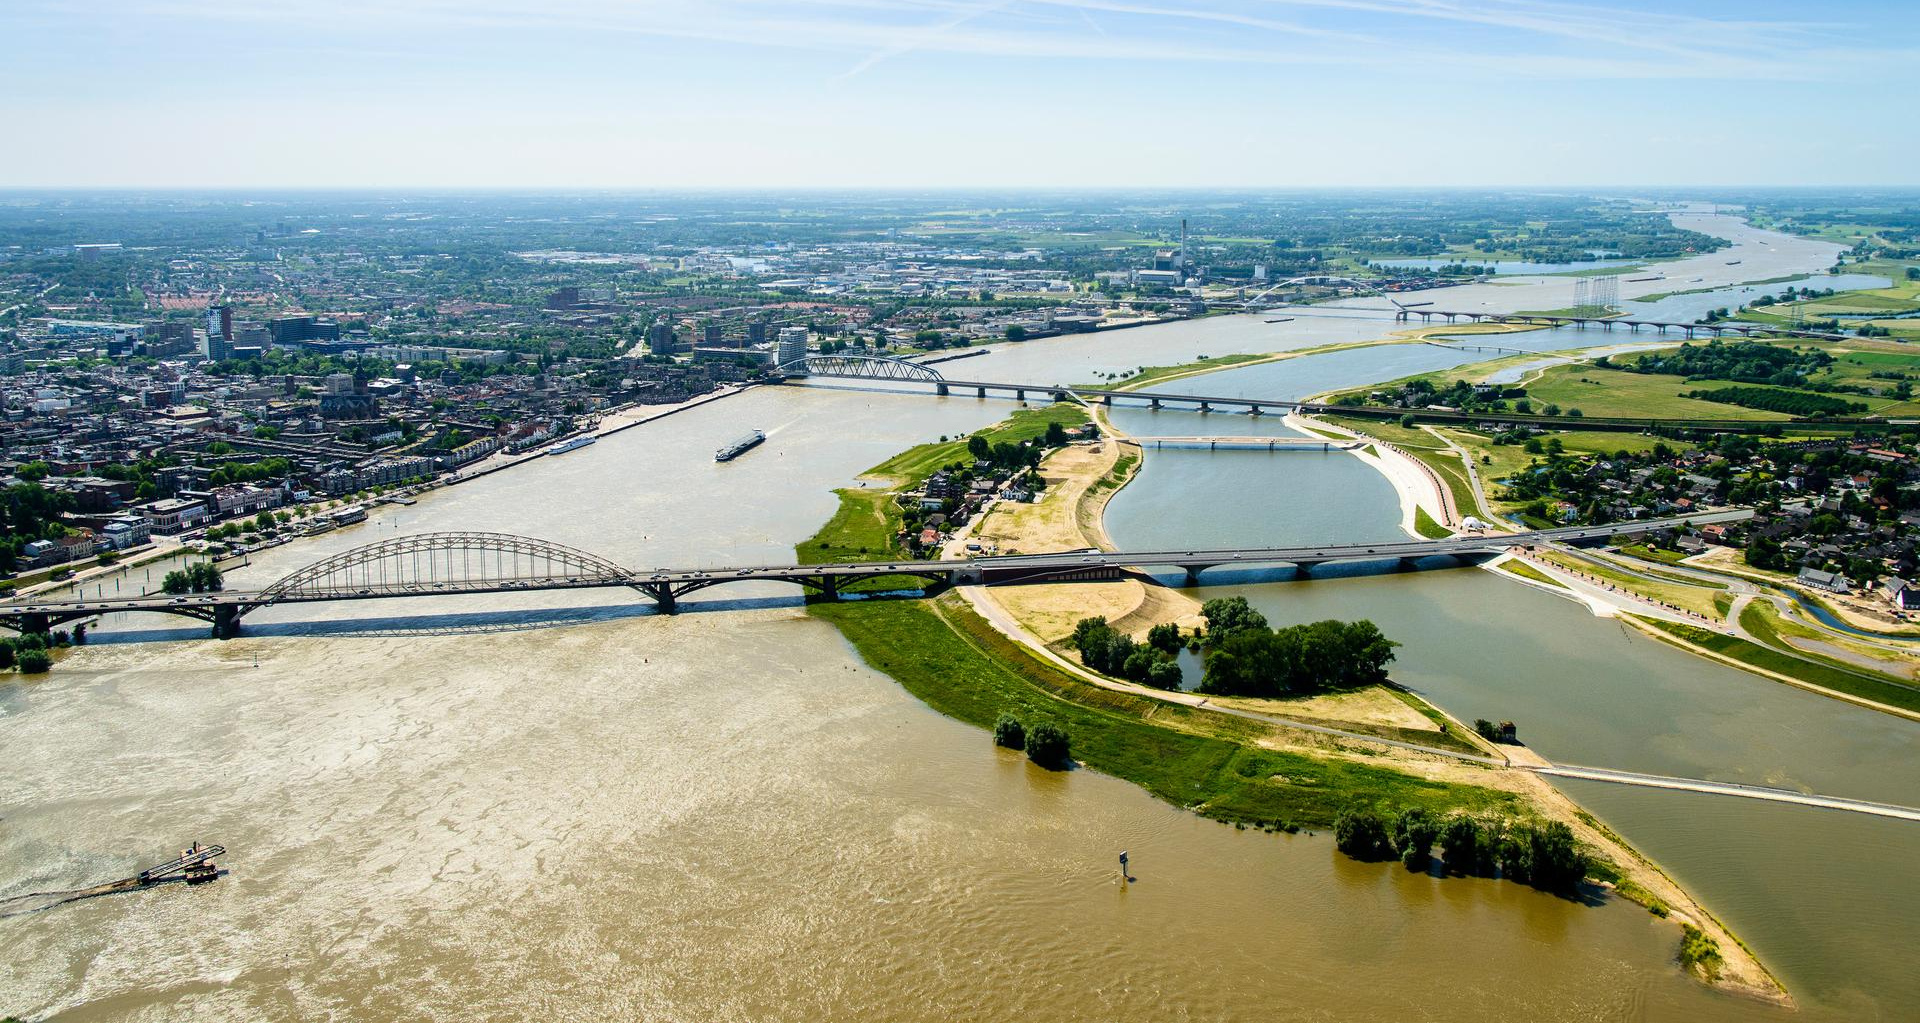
column 740, row 447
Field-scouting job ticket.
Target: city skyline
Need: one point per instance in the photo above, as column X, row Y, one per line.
column 935, row 94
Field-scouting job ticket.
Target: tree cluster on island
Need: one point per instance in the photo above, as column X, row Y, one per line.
column 1045, row 743
column 1111, row 652
column 1241, row 655
column 1543, row 854
column 1246, row 658
column 199, row 577
column 32, row 652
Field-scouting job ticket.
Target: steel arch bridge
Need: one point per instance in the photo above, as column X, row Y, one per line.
column 1370, row 286
column 865, row 367
column 427, row 563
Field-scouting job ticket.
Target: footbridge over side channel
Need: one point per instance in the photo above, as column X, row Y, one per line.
column 443, row 564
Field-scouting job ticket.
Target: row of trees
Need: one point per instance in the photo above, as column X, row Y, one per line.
column 199, row 577
column 1795, row 403
column 1045, row 743
column 1246, row 658
column 1542, row 854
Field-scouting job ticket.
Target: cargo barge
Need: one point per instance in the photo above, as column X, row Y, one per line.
column 739, row 447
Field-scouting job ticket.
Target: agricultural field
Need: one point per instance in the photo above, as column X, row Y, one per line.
column 1609, row 393
column 1600, row 392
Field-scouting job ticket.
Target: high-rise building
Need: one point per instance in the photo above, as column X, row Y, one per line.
column 792, row 346
column 219, row 333
column 660, row 340
column 756, row 333
column 715, row 334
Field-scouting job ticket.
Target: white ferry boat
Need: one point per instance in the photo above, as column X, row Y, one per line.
column 571, row 444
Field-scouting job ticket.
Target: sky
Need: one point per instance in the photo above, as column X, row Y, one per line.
column 548, row 94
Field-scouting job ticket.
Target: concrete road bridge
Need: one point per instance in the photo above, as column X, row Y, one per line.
column 1719, row 329
column 945, row 386
column 443, row 564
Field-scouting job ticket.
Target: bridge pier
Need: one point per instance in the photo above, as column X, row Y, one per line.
column 941, row 389
column 1019, row 395
column 1106, row 399
column 830, row 587
column 226, row 621
column 1193, row 574
column 1154, row 404
column 35, row 623
column 662, row 594
column 983, row 392
column 1254, row 409
column 1305, row 568
column 1204, row 407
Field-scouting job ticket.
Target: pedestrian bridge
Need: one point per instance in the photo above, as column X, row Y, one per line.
column 443, row 564
column 1249, row 443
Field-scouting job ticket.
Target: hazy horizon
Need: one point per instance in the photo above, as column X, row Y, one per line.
column 599, row 95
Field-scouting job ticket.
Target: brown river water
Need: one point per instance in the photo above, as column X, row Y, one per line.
column 564, row 807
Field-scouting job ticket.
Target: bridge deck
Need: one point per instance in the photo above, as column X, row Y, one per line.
column 665, row 584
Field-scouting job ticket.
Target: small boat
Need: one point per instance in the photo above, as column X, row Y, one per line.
column 572, row 444
column 1733, row 262
column 739, row 447
column 1283, row 319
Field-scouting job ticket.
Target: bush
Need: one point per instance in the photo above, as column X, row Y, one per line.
column 1009, row 732
column 1047, row 746
column 1164, row 674
column 1361, row 835
column 35, row 662
column 6, row 656
column 1699, row 950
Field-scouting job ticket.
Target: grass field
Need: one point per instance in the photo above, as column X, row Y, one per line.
column 1768, row 659
column 1767, row 624
column 1698, row 599
column 1650, row 554
column 1617, row 394
column 1425, row 526
column 918, row 462
column 947, row 656
column 1526, row 571
column 1148, row 374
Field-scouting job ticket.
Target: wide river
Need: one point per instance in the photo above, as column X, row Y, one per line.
column 569, row 808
